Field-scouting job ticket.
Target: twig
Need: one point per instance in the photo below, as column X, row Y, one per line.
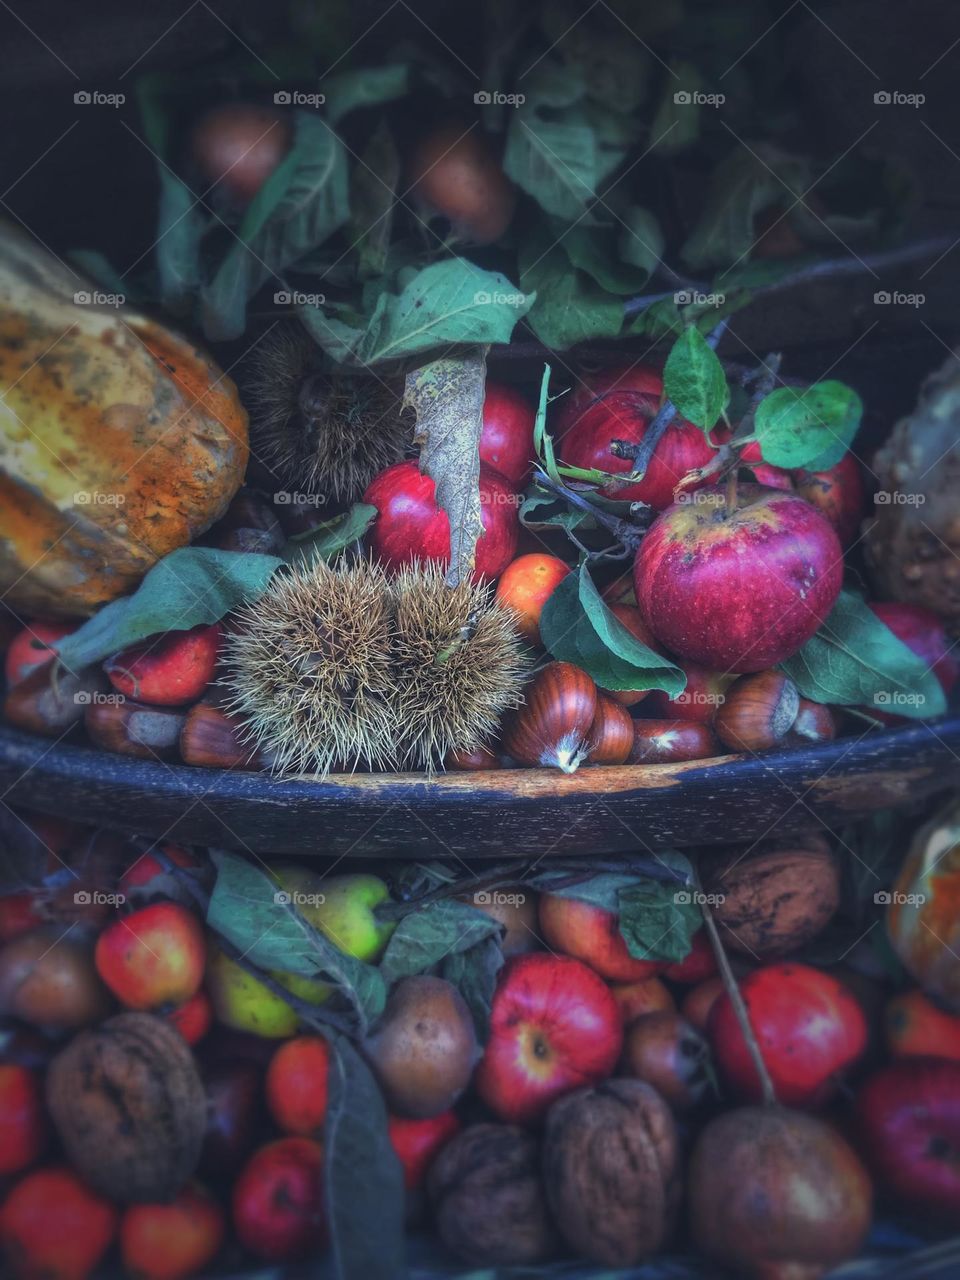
column 732, row 988
column 627, row 532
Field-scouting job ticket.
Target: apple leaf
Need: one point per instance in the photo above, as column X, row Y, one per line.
column 326, row 540
column 425, row 937
column 363, row 1193
column 856, row 660
column 249, row 910
column 364, row 87
column 811, row 428
column 658, row 920
column 577, row 626
column 569, row 306
column 447, row 398
column 474, row 973
column 189, row 587
column 554, row 161
column 694, row 380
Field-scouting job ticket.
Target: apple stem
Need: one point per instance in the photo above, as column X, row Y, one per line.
column 731, row 501
column 732, row 988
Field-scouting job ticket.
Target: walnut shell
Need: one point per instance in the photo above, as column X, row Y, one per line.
column 488, row 1198
column 775, row 901
column 612, row 1171
column 130, row 1108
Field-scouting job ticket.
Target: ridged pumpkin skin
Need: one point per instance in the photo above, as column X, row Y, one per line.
column 102, row 402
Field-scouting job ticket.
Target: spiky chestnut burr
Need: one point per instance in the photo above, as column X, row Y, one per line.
column 459, row 665
column 309, row 669
column 320, row 432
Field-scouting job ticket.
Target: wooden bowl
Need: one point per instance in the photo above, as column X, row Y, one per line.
column 521, row 812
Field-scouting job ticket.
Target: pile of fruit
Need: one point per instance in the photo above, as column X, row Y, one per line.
column 204, row 1063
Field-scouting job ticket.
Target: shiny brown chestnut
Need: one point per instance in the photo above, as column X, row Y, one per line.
column 757, row 712
column 133, row 729
column 611, row 734
column 553, row 725
column 666, row 741
column 51, row 704
column 213, row 739
column 478, row 759
column 814, row 723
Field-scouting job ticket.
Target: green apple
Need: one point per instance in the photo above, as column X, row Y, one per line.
column 241, row 1001
column 341, row 907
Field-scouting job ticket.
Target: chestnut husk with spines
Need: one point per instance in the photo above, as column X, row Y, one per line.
column 552, row 728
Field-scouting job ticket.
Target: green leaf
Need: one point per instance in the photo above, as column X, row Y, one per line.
column 744, row 183
column 190, row 586
column 811, row 428
column 554, row 161
column 694, row 380
column 594, row 251
column 602, row 890
column 364, row 1198
column 324, row 541
column 856, row 660
column 569, row 307
column 676, row 125
column 373, row 193
column 300, row 205
column 181, row 226
column 577, row 626
column 366, row 87
column 425, row 937
column 474, row 974
column 657, row 920
column 641, row 239
column 248, row 909
column 447, row 398
column 449, row 302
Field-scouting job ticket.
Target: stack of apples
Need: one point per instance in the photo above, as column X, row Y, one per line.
column 605, row 1091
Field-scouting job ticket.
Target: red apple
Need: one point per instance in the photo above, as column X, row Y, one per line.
column 153, row 957
column 701, row 696
column 837, row 493
column 19, row 913
column 908, row 1117
column 506, row 441
column 699, row 962
column 53, row 1227
column 739, row 589
column 809, row 1027
column 139, row 875
column 634, row 999
column 554, row 1027
column 277, row 1201
column 619, row 404
column 193, row 1018
column 410, row 526
column 23, row 1125
column 699, row 1001
column 296, row 1085
column 593, row 935
column 26, row 652
column 171, row 1241
column 416, row 1142
column 168, row 670
column 914, row 1027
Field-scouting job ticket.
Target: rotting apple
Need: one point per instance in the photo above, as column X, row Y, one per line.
column 619, row 404
column 590, row 934
column 742, row 585
column 668, row 1052
column 554, row 1027
column 153, row 957
column 411, row 526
